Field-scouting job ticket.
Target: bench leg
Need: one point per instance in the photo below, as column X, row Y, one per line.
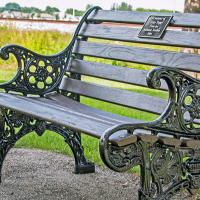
column 4, row 148
column 73, row 139
column 5, row 145
column 26, row 124
column 82, row 164
column 163, row 173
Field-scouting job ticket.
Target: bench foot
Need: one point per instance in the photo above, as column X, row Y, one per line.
column 82, row 164
column 84, row 168
column 3, row 153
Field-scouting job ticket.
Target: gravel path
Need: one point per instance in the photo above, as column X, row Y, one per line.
column 37, row 174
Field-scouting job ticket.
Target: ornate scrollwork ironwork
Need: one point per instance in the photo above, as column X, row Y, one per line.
column 162, row 167
column 185, row 103
column 26, row 124
column 163, row 172
column 125, row 157
column 166, row 166
column 39, row 74
column 36, row 74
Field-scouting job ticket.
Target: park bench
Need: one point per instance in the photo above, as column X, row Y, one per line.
column 167, row 148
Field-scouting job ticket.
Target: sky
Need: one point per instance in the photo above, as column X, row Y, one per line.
column 62, row 5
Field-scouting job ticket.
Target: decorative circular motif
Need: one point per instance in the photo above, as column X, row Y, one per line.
column 194, row 108
column 187, row 111
column 41, row 74
column 166, row 167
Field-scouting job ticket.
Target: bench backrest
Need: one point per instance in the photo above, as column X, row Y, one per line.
column 115, row 26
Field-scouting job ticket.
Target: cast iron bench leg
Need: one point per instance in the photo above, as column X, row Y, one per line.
column 3, row 152
column 82, row 164
column 9, row 136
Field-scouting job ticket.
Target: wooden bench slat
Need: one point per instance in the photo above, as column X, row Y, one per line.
column 168, row 140
column 57, row 113
column 116, row 73
column 127, row 34
column 94, row 112
column 189, row 142
column 145, row 136
column 111, row 72
column 126, row 98
column 137, row 17
column 139, row 55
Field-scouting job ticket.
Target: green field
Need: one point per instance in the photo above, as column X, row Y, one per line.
column 51, row 42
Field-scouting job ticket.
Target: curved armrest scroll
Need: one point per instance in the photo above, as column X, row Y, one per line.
column 39, row 74
column 184, row 93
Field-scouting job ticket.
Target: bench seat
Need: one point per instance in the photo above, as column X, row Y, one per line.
column 63, row 111
column 66, row 112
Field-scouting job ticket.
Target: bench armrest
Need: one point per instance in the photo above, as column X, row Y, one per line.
column 183, row 110
column 36, row 74
column 178, row 119
column 39, row 74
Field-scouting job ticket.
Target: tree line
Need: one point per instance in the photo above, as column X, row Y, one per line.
column 16, row 7
column 51, row 10
column 128, row 7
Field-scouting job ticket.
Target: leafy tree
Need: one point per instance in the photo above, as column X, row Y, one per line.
column 27, row 17
column 57, row 16
column 69, row 11
column 38, row 15
column 77, row 12
column 32, row 15
column 51, row 10
column 113, row 6
column 88, row 6
column 125, row 6
column 26, row 9
column 154, row 10
column 37, row 10
column 12, row 7
column 31, row 9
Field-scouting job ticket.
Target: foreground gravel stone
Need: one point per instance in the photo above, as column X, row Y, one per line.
column 37, row 174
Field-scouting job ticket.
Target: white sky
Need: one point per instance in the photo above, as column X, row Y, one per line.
column 62, row 5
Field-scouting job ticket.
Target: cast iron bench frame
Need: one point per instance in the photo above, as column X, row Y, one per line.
column 160, row 156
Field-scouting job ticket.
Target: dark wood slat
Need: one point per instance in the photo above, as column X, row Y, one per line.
column 117, row 96
column 122, row 138
column 111, row 72
column 168, row 140
column 95, row 113
column 145, row 137
column 67, row 103
column 171, row 38
column 136, row 17
column 139, row 55
column 46, row 110
column 189, row 142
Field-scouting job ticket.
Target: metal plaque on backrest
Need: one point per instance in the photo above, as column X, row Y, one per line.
column 155, row 26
